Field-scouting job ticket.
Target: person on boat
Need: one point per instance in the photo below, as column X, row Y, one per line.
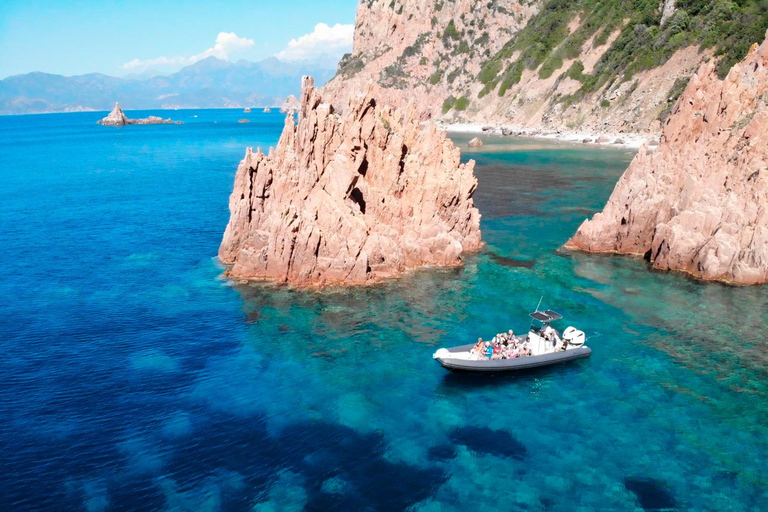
column 479, row 348
column 488, row 350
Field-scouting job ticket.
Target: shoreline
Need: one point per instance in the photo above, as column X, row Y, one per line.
column 617, row 140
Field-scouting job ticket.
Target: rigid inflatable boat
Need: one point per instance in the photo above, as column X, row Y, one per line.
column 541, row 346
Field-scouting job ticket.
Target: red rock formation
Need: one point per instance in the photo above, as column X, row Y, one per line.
column 475, row 143
column 350, row 199
column 699, row 203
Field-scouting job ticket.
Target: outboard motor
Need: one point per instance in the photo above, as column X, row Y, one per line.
column 574, row 337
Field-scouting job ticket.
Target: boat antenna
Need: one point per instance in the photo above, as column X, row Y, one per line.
column 537, row 308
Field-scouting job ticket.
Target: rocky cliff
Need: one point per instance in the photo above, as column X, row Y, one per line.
column 542, row 65
column 350, row 198
column 422, row 50
column 699, row 203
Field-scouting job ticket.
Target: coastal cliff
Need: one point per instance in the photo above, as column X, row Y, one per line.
column 401, row 48
column 699, row 203
column 350, row 198
column 542, row 66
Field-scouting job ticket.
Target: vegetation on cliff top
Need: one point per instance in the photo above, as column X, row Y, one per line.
column 643, row 43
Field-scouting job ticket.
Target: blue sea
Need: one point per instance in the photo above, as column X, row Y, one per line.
column 133, row 376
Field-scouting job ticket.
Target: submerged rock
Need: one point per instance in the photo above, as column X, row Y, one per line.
column 350, row 199
column 697, row 203
column 118, row 118
column 508, row 262
column 652, row 495
column 486, row 441
column 475, row 143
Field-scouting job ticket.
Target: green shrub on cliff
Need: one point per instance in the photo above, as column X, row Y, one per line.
column 448, row 104
column 451, row 32
column 576, row 71
column 642, row 42
column 461, row 103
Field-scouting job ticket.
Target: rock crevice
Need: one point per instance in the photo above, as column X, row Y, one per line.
column 350, row 199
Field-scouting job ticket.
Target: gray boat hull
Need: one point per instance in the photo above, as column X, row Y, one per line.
column 508, row 365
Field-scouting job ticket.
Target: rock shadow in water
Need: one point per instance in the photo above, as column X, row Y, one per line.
column 505, row 261
column 653, row 495
column 487, row 441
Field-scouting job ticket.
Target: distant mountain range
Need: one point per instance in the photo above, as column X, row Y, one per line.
column 209, row 83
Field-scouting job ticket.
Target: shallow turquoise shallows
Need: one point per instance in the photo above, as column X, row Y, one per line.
column 134, row 377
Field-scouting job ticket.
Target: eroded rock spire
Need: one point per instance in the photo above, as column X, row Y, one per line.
column 350, row 199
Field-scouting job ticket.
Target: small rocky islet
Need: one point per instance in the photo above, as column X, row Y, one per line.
column 118, row 118
column 350, row 198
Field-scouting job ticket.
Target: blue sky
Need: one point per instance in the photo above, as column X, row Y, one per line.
column 72, row 37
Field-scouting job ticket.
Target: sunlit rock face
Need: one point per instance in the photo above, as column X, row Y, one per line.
column 350, row 199
column 115, row 118
column 699, row 203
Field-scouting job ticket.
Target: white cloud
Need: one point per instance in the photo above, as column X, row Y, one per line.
column 227, row 43
column 335, row 40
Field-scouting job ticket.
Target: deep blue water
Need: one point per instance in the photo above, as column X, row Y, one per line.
column 133, row 377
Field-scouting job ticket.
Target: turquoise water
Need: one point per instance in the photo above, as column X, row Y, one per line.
column 133, row 377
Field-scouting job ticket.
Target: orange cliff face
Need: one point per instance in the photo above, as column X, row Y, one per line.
column 350, row 199
column 699, row 203
column 400, row 46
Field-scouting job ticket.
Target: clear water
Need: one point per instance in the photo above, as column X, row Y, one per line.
column 132, row 377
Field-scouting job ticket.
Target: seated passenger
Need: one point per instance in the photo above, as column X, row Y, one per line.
column 479, row 348
column 488, row 350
